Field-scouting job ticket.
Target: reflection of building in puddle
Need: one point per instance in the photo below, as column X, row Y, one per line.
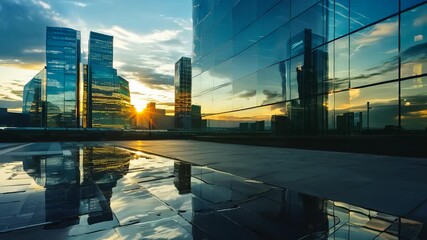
column 102, row 168
column 182, row 173
column 255, row 210
column 78, row 184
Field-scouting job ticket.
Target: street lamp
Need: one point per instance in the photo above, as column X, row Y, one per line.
column 367, row 114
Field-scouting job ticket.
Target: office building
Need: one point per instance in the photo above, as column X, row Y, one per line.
column 183, row 93
column 11, row 119
column 68, row 94
column 124, row 102
column 322, row 66
column 62, row 77
column 33, row 99
column 106, row 90
column 85, row 108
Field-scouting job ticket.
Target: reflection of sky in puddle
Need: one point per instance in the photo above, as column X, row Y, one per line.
column 111, row 193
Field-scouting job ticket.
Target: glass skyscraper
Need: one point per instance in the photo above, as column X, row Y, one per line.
column 62, row 68
column 183, row 93
column 105, row 100
column 124, row 96
column 311, row 67
column 33, row 98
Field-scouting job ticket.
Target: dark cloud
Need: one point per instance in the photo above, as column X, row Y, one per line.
column 149, row 76
column 167, row 104
column 416, row 52
column 271, row 94
column 247, row 94
column 23, row 30
column 17, row 92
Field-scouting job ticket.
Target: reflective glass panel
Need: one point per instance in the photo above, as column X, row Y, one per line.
column 295, row 72
column 244, row 13
column 275, row 17
column 383, row 107
column 341, row 64
column 298, row 6
column 413, row 37
column 308, row 30
column 245, row 92
column 342, row 108
column 271, row 84
column 365, row 12
column 342, row 13
column 374, row 53
column 414, row 103
column 409, row 3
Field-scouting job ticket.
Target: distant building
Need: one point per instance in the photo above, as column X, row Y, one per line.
column 153, row 118
column 183, row 93
column 62, row 78
column 9, row 119
column 33, row 99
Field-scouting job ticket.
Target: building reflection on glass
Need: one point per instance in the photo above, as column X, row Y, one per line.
column 182, row 173
column 249, row 209
column 78, row 184
column 313, row 65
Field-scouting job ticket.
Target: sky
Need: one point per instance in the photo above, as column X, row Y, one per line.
column 149, row 37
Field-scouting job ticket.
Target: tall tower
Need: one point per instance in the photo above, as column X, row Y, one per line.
column 183, row 93
column 62, row 68
column 104, row 110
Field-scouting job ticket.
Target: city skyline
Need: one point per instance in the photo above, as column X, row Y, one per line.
column 145, row 50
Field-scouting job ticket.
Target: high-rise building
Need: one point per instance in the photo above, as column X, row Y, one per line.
column 62, row 77
column 124, row 101
column 33, row 99
column 104, row 100
column 68, row 93
column 183, row 93
column 311, row 62
column 85, row 108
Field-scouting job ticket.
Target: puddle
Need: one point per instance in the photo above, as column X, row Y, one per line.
column 105, row 192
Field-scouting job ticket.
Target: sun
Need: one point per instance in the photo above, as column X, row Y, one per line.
column 139, row 109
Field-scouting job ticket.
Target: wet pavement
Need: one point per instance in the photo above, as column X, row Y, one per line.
column 102, row 191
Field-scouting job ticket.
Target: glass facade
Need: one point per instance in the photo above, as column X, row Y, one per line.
column 104, row 100
column 125, row 106
column 33, row 98
column 310, row 67
column 183, row 93
column 62, row 67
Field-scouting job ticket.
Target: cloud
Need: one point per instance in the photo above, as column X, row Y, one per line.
column 23, row 28
column 127, row 38
column 420, row 21
column 376, row 33
column 247, row 94
column 43, row 4
column 150, row 57
column 379, row 31
column 80, row 4
column 271, row 95
column 186, row 24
